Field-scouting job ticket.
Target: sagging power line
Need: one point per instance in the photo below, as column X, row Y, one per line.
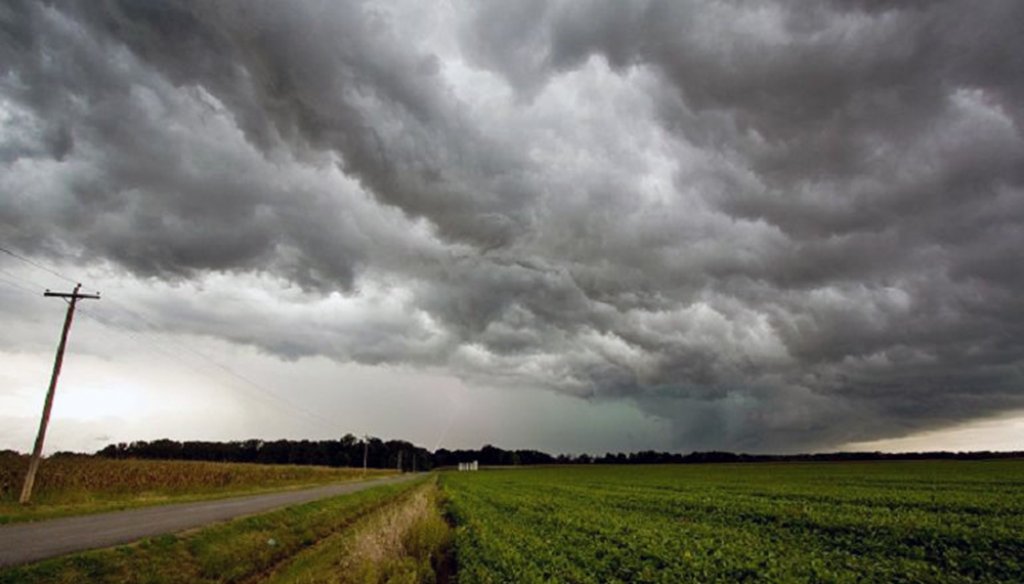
column 169, row 348
column 35, row 264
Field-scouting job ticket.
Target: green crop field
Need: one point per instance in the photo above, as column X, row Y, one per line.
column 949, row 521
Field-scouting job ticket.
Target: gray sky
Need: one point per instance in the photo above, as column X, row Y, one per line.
column 570, row 226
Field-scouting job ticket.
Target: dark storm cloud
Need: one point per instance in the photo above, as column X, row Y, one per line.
column 776, row 226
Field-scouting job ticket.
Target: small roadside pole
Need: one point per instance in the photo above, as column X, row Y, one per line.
column 399, row 461
column 33, row 465
column 366, row 445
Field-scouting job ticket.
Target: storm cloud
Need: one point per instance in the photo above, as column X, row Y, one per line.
column 776, row 226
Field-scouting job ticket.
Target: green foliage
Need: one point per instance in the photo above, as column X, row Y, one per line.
column 236, row 551
column 949, row 521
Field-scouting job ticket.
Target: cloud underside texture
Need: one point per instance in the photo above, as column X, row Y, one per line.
column 777, row 226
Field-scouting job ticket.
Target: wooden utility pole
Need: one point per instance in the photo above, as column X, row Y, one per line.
column 33, row 465
column 399, row 461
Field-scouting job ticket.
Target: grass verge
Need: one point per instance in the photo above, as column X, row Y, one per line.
column 243, row 550
column 407, row 541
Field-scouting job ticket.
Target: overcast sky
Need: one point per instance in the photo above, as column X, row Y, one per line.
column 580, row 226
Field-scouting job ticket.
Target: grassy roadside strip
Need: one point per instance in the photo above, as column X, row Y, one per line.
column 242, row 550
column 405, row 541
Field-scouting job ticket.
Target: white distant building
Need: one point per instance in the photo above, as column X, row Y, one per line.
column 469, row 466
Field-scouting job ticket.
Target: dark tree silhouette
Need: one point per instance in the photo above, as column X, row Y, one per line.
column 348, row 451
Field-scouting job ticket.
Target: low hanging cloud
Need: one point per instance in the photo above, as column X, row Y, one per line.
column 775, row 226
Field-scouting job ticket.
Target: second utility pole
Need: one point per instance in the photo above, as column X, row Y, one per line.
column 37, row 452
column 366, row 446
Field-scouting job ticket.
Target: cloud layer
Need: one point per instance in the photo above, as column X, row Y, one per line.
column 777, row 227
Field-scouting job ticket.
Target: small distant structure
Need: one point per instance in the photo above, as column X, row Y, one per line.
column 469, row 466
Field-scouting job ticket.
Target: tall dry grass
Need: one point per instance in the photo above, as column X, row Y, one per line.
column 71, row 479
column 406, row 541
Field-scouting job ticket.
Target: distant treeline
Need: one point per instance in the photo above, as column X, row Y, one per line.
column 492, row 456
column 349, row 451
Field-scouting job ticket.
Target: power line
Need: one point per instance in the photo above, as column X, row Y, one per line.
column 205, row 357
column 15, row 284
column 154, row 328
column 13, row 277
column 166, row 345
column 248, row 383
column 37, row 265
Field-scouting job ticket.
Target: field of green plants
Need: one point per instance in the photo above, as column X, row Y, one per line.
column 922, row 521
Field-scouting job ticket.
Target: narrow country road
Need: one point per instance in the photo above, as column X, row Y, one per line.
column 21, row 543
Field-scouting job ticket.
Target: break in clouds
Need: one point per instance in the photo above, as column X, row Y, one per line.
column 775, row 225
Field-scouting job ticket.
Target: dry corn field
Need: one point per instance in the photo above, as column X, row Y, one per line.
column 70, row 480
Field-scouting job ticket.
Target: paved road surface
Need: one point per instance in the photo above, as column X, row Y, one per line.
column 27, row 542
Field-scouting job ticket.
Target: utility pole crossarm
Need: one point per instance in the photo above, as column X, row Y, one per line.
column 37, row 452
column 72, row 295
